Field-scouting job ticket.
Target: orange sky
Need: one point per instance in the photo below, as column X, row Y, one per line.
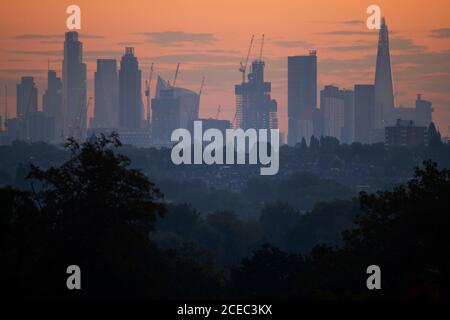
column 210, row 38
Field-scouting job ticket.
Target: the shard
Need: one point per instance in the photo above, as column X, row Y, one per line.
column 384, row 93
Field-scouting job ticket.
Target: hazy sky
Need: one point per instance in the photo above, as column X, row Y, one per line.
column 210, row 37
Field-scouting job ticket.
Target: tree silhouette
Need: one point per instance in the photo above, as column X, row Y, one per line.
column 93, row 211
column 404, row 231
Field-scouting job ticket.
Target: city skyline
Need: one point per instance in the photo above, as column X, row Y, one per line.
column 346, row 49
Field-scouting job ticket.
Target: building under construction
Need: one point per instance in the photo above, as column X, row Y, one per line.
column 172, row 108
column 254, row 106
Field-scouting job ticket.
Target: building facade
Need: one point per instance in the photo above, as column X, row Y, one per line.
column 131, row 113
column 74, row 87
column 302, row 95
column 405, row 134
column 106, row 98
column 254, row 106
column 384, row 92
column 172, row 108
column 52, row 103
column 364, row 113
column 27, row 97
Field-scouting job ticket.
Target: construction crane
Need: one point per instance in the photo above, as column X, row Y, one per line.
column 261, row 50
column 201, row 87
column 200, row 94
column 218, row 112
column 243, row 67
column 147, row 93
column 233, row 123
column 176, row 75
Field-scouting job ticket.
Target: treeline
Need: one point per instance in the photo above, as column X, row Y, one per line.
column 227, row 239
column 321, row 172
column 96, row 211
column 301, row 190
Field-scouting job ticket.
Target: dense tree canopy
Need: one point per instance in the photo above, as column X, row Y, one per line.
column 95, row 209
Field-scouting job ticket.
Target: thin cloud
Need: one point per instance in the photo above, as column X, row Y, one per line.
column 37, row 36
column 351, row 48
column 347, row 33
column 194, row 57
column 397, row 43
column 31, row 36
column 91, row 36
column 23, row 71
column 38, row 53
column 442, row 33
column 352, row 22
column 224, row 51
column 128, row 43
column 291, row 43
column 405, row 44
column 178, row 37
column 101, row 53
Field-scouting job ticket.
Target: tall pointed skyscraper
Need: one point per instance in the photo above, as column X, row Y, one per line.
column 74, row 87
column 384, row 93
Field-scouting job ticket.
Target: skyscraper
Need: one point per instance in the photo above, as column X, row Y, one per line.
column 424, row 110
column 30, row 124
column 364, row 112
column 52, row 101
column 348, row 134
column 165, row 113
column 302, row 94
column 333, row 112
column 338, row 113
column 106, row 110
column 74, row 87
column 26, row 97
column 172, row 108
column 384, row 93
column 130, row 101
column 254, row 106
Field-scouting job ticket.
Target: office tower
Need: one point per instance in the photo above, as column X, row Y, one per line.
column 384, row 93
column 26, row 97
column 52, row 102
column 74, row 87
column 172, row 108
column 310, row 124
column 211, row 123
column 333, row 112
column 130, row 101
column 405, row 134
column 421, row 114
column 364, row 112
column 165, row 113
column 39, row 127
column 302, row 95
column 348, row 134
column 254, row 106
column 106, row 100
column 424, row 110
